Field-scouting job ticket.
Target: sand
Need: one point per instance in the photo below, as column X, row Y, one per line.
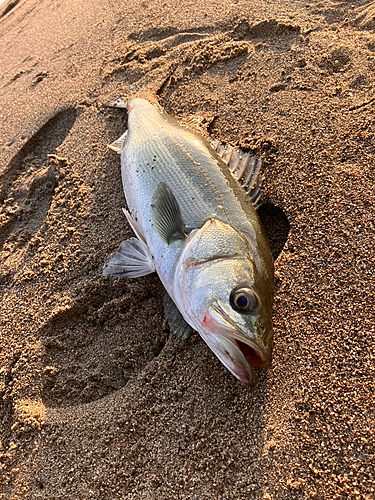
column 98, row 397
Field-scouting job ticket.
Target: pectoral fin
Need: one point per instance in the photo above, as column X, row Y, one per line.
column 175, row 319
column 132, row 261
column 166, row 215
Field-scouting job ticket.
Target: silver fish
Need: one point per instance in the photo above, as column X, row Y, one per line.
column 197, row 228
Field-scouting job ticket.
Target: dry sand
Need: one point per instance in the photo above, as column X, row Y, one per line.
column 98, row 397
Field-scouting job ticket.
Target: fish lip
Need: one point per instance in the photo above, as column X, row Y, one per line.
column 248, row 378
column 233, row 360
column 254, row 354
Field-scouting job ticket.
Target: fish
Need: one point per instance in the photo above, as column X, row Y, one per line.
column 197, row 227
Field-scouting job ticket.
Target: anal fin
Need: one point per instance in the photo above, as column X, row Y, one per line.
column 120, row 102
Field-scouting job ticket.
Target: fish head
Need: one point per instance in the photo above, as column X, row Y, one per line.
column 224, row 290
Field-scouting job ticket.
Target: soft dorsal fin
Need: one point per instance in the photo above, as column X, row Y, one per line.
column 166, row 215
column 119, row 144
column 244, row 167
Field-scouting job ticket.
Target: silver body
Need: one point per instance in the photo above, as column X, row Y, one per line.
column 223, row 232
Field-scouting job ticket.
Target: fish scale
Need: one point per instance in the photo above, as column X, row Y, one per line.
column 166, row 140
column 178, row 175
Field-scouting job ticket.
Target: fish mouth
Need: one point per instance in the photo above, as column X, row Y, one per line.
column 255, row 354
column 230, row 354
column 255, row 357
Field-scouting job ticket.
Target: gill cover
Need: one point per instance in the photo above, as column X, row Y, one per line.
column 221, row 291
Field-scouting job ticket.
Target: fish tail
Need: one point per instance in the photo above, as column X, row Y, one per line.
column 121, row 102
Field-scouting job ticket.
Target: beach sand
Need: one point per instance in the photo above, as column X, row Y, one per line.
column 98, row 397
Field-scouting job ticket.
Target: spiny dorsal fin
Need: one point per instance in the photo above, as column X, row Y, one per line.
column 166, row 215
column 244, row 167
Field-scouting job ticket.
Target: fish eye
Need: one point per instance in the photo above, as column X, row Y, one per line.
column 243, row 300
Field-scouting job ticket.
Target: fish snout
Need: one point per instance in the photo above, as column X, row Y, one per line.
column 255, row 343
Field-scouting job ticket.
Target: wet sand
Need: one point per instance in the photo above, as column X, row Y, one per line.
column 98, row 398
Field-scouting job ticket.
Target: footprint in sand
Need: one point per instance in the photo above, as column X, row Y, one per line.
column 7, row 413
column 95, row 347
column 28, row 184
column 86, row 351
